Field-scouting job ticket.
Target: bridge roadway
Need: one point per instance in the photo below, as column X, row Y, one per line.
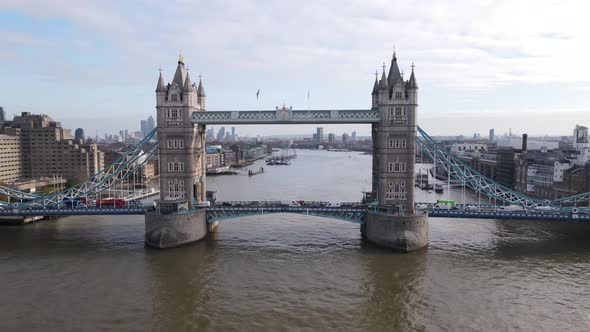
column 353, row 212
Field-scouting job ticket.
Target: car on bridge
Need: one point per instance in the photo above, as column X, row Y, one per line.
column 511, row 208
column 290, row 204
column 546, row 209
column 445, row 205
column 422, row 206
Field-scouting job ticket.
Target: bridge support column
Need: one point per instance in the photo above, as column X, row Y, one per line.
column 176, row 229
column 401, row 233
column 212, row 226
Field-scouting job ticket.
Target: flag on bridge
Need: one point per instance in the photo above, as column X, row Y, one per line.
column 257, row 94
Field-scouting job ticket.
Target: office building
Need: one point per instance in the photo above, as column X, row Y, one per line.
column 79, row 135
column 144, row 128
column 345, row 139
column 48, row 149
column 10, row 157
column 320, row 134
column 151, row 124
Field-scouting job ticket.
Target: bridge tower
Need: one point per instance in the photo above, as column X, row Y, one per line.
column 176, row 220
column 394, row 222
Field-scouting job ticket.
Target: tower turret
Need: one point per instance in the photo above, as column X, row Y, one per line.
column 375, row 92
column 180, row 74
column 160, row 90
column 189, row 92
column 201, row 94
column 394, row 74
column 412, row 88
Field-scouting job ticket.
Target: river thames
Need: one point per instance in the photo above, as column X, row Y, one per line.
column 293, row 272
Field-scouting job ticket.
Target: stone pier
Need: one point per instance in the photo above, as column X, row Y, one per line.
column 400, row 233
column 173, row 230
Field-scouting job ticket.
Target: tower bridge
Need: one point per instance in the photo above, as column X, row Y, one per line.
column 181, row 121
column 390, row 220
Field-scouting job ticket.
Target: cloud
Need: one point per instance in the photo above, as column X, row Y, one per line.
column 333, row 46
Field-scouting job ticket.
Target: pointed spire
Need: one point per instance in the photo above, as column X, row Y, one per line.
column 394, row 74
column 412, row 82
column 160, row 87
column 376, row 85
column 200, row 89
column 188, row 85
column 383, row 81
column 180, row 74
column 180, row 57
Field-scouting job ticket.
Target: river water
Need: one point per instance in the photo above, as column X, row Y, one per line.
column 295, row 273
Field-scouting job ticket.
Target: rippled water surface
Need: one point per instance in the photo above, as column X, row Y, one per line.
column 291, row 272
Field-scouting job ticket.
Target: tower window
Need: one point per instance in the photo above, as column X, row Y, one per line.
column 398, row 111
column 174, row 97
column 398, row 95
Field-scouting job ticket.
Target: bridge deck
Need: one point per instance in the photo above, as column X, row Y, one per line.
column 348, row 213
column 286, row 116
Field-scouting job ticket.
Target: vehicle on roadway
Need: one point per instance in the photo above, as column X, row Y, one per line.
column 445, row 205
column 290, row 203
column 422, row 206
column 545, row 209
column 511, row 208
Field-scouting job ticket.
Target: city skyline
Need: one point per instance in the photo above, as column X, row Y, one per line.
column 468, row 66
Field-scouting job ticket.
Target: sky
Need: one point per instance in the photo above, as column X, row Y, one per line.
column 508, row 65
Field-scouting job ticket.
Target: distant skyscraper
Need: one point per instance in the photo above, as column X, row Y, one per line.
column 344, row 138
column 210, row 134
column 233, row 134
column 126, row 133
column 320, row 134
column 331, row 138
column 221, row 134
column 144, row 127
column 151, row 124
column 354, row 136
column 79, row 134
column 2, row 118
column 492, row 136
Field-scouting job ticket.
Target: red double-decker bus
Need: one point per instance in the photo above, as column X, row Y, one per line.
column 118, row 203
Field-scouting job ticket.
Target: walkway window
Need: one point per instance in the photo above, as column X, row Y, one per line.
column 176, row 167
column 390, row 143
